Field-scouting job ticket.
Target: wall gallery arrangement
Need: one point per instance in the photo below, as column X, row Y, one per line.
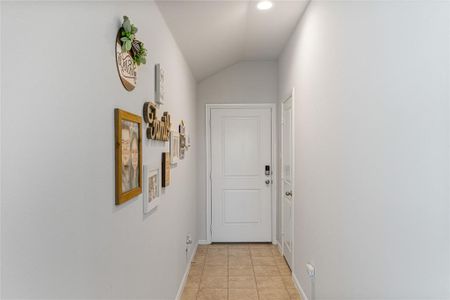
column 131, row 177
column 128, row 130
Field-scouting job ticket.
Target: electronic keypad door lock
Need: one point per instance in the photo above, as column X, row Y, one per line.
column 267, row 170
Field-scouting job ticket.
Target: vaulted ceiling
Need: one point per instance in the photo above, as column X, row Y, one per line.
column 216, row 34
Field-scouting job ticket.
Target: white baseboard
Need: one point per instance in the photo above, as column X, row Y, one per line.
column 280, row 248
column 204, row 242
column 299, row 287
column 185, row 276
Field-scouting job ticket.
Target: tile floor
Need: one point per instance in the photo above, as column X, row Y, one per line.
column 239, row 272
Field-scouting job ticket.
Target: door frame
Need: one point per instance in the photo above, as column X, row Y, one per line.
column 272, row 107
column 290, row 96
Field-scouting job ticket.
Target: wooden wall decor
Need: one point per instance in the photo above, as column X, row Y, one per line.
column 128, row 131
column 125, row 66
column 157, row 129
column 130, row 52
column 165, row 167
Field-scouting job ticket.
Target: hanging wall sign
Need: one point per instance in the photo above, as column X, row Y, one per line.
column 157, row 129
column 130, row 52
column 125, row 66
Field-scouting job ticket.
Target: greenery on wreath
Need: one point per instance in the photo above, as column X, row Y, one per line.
column 130, row 43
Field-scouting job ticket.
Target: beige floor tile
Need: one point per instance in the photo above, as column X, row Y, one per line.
column 279, row 260
column 199, row 258
column 216, row 259
column 239, row 261
column 214, row 282
column 273, row 294
column 211, row 270
column 196, row 269
column 193, row 281
column 212, row 294
column 270, row 282
column 284, row 270
column 266, row 271
column 241, row 271
column 218, row 246
column 261, row 245
column 263, row 261
column 241, row 282
column 201, row 251
column 242, row 294
column 276, row 252
column 238, row 246
column 261, row 252
column 238, row 252
column 293, row 294
column 217, row 251
column 189, row 294
column 288, row 283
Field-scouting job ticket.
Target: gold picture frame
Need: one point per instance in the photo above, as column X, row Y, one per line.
column 128, row 165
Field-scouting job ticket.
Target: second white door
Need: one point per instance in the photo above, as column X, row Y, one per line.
column 241, row 174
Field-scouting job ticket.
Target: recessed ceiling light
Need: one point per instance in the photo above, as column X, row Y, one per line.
column 264, row 5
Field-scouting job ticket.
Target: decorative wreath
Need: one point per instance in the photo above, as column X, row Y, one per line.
column 130, row 43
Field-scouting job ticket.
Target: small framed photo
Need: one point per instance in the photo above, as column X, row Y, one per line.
column 128, row 132
column 174, row 146
column 188, row 141
column 182, row 145
column 152, row 188
column 159, row 84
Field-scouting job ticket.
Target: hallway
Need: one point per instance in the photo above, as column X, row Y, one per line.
column 239, row 272
column 168, row 149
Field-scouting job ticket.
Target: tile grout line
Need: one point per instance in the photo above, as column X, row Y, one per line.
column 254, row 274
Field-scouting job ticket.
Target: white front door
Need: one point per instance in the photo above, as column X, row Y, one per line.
column 286, row 180
column 241, row 146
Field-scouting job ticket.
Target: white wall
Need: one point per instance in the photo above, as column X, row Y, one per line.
column 244, row 82
column 372, row 148
column 62, row 235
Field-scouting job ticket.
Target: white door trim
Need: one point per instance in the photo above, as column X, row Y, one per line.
column 272, row 108
column 290, row 96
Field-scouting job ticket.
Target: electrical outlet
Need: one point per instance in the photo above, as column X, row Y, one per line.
column 188, row 239
column 310, row 270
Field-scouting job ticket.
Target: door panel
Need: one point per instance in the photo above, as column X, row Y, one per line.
column 241, row 144
column 286, row 182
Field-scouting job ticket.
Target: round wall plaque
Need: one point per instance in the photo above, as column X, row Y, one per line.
column 125, row 66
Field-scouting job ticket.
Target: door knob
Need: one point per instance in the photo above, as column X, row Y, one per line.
column 267, row 181
column 288, row 193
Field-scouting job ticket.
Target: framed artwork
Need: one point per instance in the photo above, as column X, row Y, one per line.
column 182, row 131
column 174, row 146
column 159, row 84
column 182, row 146
column 128, row 132
column 165, row 166
column 152, row 191
column 188, row 141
